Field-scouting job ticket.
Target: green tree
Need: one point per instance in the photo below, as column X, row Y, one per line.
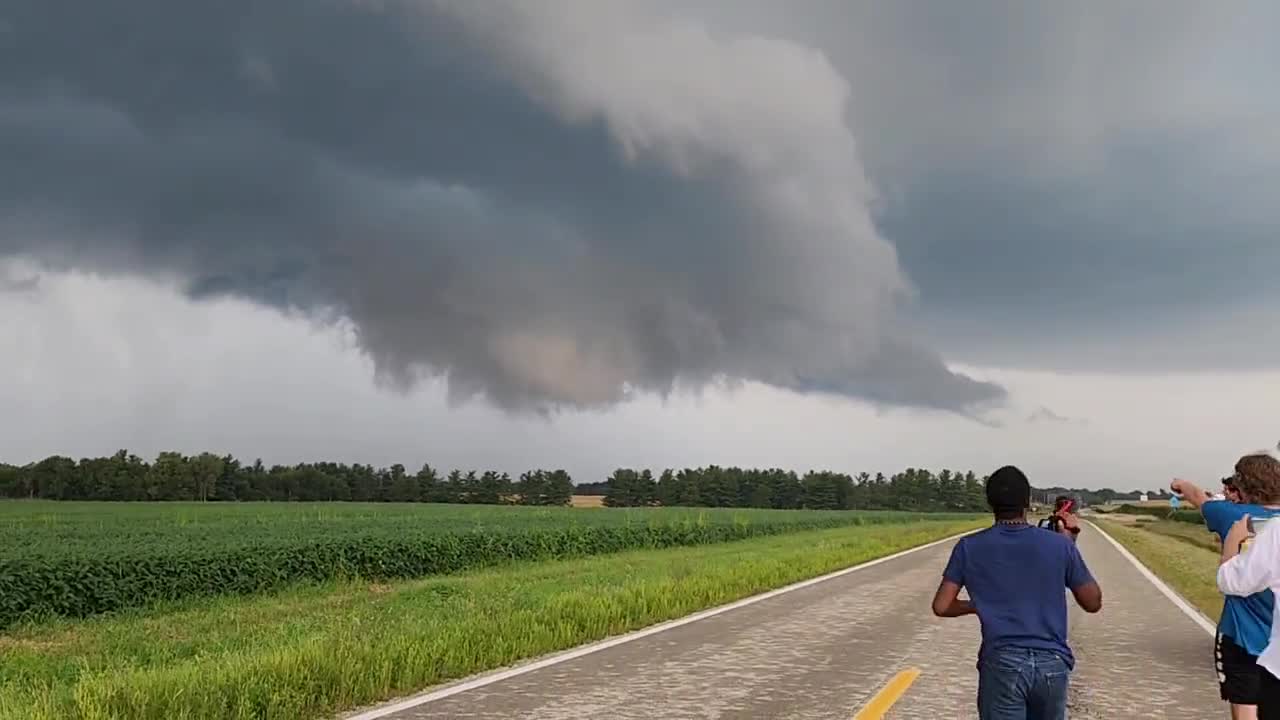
column 129, row 476
column 13, row 482
column 690, row 484
column 206, row 468
column 430, row 489
column 402, row 487
column 559, row 488
column 631, row 488
column 719, row 487
column 670, row 488
column 785, row 489
column 455, row 487
column 364, row 483
column 171, row 478
column 232, row 483
column 490, row 488
column 542, row 487
column 827, row 490
column 53, row 478
column 530, row 487
column 260, row 482
column 975, row 494
column 96, row 480
column 757, row 491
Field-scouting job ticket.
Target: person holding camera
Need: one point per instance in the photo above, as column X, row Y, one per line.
column 1015, row 574
column 1063, row 517
column 1246, row 625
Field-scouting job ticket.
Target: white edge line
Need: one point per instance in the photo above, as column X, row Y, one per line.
column 1205, row 623
column 498, row 676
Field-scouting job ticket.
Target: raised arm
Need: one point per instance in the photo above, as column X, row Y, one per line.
column 1191, row 493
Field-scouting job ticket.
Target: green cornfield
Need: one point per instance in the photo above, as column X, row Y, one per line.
column 82, row 559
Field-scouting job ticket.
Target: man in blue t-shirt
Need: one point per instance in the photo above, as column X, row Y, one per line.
column 1015, row 574
column 1245, row 625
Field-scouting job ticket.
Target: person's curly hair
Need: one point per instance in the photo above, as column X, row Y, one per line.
column 1258, row 478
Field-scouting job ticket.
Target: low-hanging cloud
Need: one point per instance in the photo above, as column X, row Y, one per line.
column 550, row 204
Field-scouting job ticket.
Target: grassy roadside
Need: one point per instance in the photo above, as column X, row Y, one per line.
column 315, row 650
column 1182, row 555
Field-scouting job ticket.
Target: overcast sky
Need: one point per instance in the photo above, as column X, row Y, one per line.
column 601, row 233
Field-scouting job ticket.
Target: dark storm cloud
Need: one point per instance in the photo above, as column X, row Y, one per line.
column 1069, row 185
column 1135, row 269
column 1074, row 185
column 550, row 204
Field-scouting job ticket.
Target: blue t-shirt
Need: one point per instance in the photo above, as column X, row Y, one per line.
column 1246, row 620
column 1015, row 575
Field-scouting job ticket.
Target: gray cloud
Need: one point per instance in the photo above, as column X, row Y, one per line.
column 1072, row 185
column 1146, row 267
column 550, row 205
column 564, row 202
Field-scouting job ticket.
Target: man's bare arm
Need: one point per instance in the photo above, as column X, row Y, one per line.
column 947, row 602
column 1191, row 493
column 1236, row 536
column 1088, row 597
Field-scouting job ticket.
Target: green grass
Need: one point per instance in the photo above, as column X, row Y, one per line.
column 1184, row 556
column 1195, row 535
column 311, row 651
column 82, row 559
column 1163, row 512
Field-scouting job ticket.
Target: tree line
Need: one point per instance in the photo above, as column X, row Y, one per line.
column 912, row 489
column 1097, row 497
column 222, row 478
column 174, row 476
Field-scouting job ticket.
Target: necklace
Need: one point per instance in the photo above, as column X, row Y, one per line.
column 1020, row 521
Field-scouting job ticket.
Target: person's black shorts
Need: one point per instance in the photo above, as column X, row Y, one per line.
column 1268, row 696
column 1239, row 675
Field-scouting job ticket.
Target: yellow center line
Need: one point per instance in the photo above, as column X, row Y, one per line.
column 885, row 699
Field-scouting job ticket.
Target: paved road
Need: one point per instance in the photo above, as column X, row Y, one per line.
column 823, row 651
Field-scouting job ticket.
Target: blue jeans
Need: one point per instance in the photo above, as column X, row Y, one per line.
column 1023, row 684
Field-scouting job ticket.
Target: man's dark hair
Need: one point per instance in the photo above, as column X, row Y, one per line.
column 1061, row 502
column 1008, row 493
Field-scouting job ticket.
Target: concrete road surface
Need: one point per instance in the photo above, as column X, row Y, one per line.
column 825, row 651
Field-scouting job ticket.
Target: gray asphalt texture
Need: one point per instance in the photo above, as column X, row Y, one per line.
column 820, row 653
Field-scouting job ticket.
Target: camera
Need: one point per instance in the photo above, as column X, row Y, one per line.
column 1062, row 506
